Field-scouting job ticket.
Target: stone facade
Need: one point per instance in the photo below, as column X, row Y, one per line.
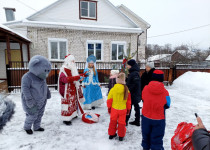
column 77, row 41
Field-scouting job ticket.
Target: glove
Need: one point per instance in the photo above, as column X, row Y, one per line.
column 33, row 110
column 109, row 110
column 128, row 112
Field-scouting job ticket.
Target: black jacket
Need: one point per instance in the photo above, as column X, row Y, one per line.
column 112, row 82
column 146, row 78
column 201, row 139
column 134, row 83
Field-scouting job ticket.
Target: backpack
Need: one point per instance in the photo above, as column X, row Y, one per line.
column 182, row 139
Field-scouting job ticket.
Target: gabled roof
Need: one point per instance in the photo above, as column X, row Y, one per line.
column 133, row 14
column 106, row 24
column 186, row 53
column 21, row 11
column 10, row 31
column 73, row 26
column 158, row 57
column 208, row 58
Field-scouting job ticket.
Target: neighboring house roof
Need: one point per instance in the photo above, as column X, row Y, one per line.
column 208, row 58
column 13, row 32
column 133, row 14
column 159, row 57
column 58, row 15
column 21, row 11
column 186, row 53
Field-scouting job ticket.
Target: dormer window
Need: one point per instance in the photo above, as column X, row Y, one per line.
column 10, row 14
column 88, row 9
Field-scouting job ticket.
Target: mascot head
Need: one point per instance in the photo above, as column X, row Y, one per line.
column 40, row 66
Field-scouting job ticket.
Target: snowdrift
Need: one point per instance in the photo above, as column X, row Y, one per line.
column 194, row 82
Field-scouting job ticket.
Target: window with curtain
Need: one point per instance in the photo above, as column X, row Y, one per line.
column 118, row 51
column 57, row 49
column 88, row 10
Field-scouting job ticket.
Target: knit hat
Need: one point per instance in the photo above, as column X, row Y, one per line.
column 114, row 72
column 121, row 78
column 158, row 75
column 131, row 62
column 150, row 64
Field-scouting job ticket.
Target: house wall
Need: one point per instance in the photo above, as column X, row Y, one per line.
column 3, row 46
column 77, row 41
column 143, row 26
column 68, row 11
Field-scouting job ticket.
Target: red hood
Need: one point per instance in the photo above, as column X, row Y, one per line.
column 156, row 87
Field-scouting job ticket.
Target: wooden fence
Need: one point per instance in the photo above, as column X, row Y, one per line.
column 15, row 71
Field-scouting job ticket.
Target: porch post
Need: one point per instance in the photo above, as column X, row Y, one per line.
column 21, row 52
column 28, row 50
column 8, row 49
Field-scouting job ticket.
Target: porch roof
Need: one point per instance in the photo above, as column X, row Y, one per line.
column 14, row 36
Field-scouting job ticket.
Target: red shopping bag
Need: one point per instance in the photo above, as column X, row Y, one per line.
column 182, row 139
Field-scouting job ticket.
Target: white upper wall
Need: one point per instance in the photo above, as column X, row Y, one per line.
column 21, row 10
column 67, row 11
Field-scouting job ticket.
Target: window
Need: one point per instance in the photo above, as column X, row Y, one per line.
column 118, row 50
column 57, row 49
column 10, row 15
column 88, row 9
column 95, row 48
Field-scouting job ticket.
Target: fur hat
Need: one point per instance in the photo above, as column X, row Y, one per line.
column 158, row 75
column 114, row 72
column 150, row 64
column 121, row 78
column 131, row 62
column 69, row 58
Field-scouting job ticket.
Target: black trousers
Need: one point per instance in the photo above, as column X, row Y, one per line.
column 137, row 112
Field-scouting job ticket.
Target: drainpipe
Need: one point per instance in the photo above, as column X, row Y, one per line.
column 137, row 56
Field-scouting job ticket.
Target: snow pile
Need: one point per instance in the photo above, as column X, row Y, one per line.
column 194, row 82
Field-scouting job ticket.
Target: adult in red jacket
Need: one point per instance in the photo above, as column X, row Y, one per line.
column 155, row 100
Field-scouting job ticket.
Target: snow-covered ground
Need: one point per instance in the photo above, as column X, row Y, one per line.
column 190, row 93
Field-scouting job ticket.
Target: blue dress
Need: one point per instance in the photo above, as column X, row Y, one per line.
column 92, row 90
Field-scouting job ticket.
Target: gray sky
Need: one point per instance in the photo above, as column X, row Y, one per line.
column 166, row 16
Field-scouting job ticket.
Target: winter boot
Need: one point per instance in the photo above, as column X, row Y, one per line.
column 29, row 131
column 136, row 123
column 68, row 123
column 121, row 138
column 112, row 136
column 40, row 129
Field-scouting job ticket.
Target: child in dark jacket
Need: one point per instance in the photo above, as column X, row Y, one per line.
column 155, row 100
column 119, row 105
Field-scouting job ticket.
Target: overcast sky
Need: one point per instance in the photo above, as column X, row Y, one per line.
column 166, row 16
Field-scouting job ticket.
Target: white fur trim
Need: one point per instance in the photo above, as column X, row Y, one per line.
column 94, row 118
column 114, row 72
column 93, row 104
column 69, row 118
column 91, row 79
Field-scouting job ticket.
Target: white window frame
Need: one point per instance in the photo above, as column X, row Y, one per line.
column 88, row 16
column 95, row 42
column 49, row 47
column 118, row 43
